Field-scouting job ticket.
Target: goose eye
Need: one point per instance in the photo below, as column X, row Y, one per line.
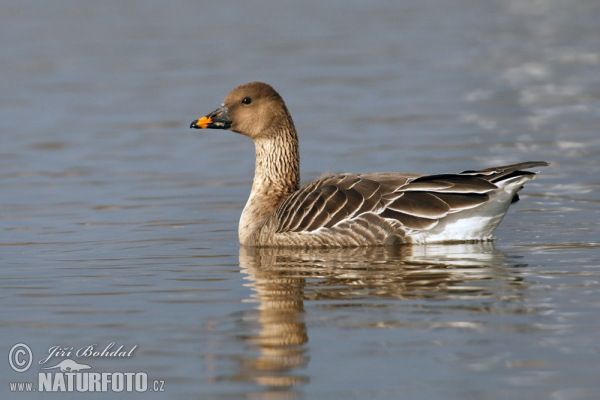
column 247, row 100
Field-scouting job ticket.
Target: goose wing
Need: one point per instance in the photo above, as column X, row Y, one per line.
column 413, row 201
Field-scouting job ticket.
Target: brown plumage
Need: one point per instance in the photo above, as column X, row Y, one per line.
column 345, row 210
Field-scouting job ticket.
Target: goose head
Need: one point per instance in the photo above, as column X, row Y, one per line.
column 255, row 110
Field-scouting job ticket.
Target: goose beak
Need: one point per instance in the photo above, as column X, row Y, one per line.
column 215, row 120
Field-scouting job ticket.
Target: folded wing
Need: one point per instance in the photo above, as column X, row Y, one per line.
column 411, row 202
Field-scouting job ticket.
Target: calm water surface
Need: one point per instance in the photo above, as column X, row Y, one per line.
column 119, row 224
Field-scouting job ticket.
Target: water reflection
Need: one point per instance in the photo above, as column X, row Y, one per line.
column 284, row 279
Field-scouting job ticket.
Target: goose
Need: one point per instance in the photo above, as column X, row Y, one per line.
column 352, row 210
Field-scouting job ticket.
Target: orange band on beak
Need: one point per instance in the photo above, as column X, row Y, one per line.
column 215, row 120
column 204, row 122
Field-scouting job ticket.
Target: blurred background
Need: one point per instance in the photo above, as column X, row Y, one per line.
column 119, row 223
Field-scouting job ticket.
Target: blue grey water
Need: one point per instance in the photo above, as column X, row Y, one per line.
column 119, row 224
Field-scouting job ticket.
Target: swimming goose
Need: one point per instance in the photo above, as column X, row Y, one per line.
column 347, row 210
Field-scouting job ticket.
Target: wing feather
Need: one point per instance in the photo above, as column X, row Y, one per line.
column 403, row 200
column 409, row 221
column 451, row 183
column 290, row 212
column 315, row 210
column 347, row 182
column 462, row 201
column 420, row 204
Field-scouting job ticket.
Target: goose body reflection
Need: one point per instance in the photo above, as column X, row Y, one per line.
column 284, row 280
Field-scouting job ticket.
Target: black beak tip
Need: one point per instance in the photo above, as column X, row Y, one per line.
column 193, row 125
